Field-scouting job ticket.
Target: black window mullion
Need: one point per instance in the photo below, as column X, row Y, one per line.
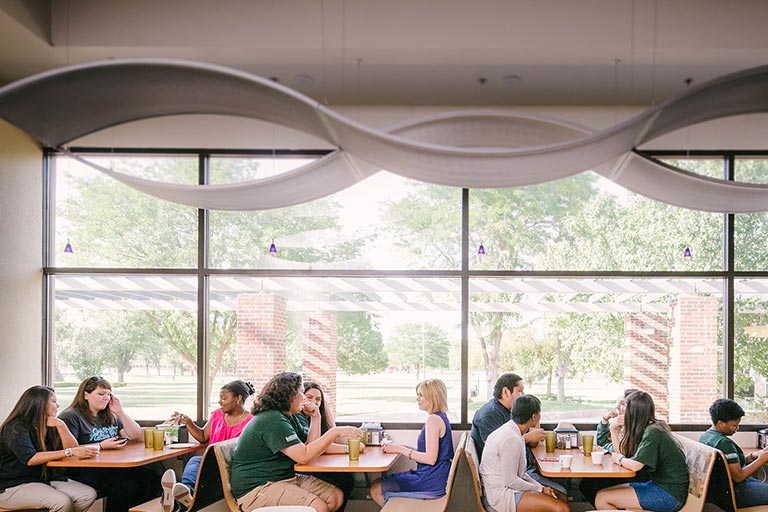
column 729, row 298
column 202, row 294
column 464, row 306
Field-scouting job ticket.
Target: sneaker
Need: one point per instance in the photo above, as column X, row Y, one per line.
column 182, row 494
column 168, row 480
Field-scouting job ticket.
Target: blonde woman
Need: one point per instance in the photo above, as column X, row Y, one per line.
column 433, row 452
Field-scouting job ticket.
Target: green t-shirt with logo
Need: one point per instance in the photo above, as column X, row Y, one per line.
column 258, row 458
column 665, row 460
column 725, row 444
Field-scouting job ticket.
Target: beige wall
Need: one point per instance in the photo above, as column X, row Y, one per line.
column 20, row 264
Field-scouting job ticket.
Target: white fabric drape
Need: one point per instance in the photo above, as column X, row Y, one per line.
column 474, row 149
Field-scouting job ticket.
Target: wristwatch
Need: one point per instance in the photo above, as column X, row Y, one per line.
column 68, row 452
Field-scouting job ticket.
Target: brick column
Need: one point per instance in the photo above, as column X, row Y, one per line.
column 260, row 337
column 693, row 359
column 319, row 332
column 646, row 357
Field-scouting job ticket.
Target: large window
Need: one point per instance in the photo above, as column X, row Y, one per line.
column 582, row 288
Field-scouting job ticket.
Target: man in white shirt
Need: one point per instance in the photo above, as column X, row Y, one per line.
column 507, row 486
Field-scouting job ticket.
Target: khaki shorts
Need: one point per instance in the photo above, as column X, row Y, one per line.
column 299, row 490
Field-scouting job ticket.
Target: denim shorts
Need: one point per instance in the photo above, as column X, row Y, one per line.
column 652, row 497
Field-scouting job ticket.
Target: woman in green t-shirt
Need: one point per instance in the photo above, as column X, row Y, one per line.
column 262, row 470
column 647, row 443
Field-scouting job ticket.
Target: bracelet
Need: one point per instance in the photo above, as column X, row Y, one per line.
column 621, row 458
column 410, row 452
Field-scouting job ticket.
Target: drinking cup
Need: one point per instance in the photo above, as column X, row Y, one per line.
column 550, row 440
column 597, row 457
column 158, row 439
column 566, row 460
column 587, row 441
column 354, row 448
column 148, row 441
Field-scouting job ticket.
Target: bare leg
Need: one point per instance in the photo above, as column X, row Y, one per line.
column 538, row 502
column 336, row 500
column 618, row 497
column 376, row 494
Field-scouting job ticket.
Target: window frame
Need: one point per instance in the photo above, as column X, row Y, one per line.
column 203, row 272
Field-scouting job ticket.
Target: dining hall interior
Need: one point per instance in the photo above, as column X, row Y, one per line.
column 376, row 193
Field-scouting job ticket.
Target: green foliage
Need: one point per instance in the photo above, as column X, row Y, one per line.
column 360, row 349
column 418, row 345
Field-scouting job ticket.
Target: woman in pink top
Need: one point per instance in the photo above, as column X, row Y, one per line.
column 226, row 422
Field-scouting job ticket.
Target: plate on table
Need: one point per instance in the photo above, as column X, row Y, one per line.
column 179, row 446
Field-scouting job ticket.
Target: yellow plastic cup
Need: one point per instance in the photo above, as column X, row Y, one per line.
column 354, row 448
column 550, row 440
column 158, row 439
column 148, row 441
column 587, row 441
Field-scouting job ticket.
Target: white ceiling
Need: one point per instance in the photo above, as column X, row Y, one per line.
column 410, row 52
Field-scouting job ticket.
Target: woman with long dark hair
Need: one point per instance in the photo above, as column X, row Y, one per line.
column 647, row 443
column 96, row 415
column 273, row 442
column 315, row 396
column 30, row 437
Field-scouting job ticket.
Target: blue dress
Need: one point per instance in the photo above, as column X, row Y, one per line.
column 426, row 481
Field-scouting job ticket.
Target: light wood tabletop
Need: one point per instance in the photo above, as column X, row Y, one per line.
column 131, row 455
column 581, row 467
column 372, row 460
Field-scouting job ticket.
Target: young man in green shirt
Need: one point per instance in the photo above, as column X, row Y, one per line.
column 726, row 416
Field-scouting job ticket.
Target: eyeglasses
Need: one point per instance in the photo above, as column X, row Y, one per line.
column 95, row 378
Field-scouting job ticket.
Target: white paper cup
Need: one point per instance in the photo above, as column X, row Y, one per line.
column 565, row 460
column 597, row 457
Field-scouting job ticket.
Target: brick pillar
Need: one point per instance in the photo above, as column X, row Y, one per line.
column 646, row 357
column 693, row 359
column 260, row 337
column 319, row 354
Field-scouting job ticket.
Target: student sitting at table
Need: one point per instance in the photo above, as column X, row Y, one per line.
column 433, row 452
column 726, row 416
column 263, row 465
column 313, row 394
column 30, row 437
column 589, row 487
column 647, row 443
column 97, row 416
column 226, row 422
column 495, row 413
column 507, row 486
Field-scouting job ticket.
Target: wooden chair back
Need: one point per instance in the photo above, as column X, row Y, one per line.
column 224, row 452
column 700, row 460
column 721, row 489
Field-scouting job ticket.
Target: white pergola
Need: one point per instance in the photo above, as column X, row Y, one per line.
column 392, row 294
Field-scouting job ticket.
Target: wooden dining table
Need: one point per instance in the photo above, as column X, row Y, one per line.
column 581, row 467
column 131, row 455
column 372, row 460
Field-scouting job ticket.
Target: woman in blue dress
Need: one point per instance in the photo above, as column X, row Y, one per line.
column 433, row 452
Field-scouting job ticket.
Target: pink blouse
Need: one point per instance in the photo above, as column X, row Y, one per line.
column 220, row 431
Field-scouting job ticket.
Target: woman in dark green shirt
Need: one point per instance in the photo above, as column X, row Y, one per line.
column 647, row 443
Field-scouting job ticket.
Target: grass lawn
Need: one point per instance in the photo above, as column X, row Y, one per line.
column 384, row 397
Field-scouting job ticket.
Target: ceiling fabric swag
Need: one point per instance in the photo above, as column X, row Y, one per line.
column 473, row 149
